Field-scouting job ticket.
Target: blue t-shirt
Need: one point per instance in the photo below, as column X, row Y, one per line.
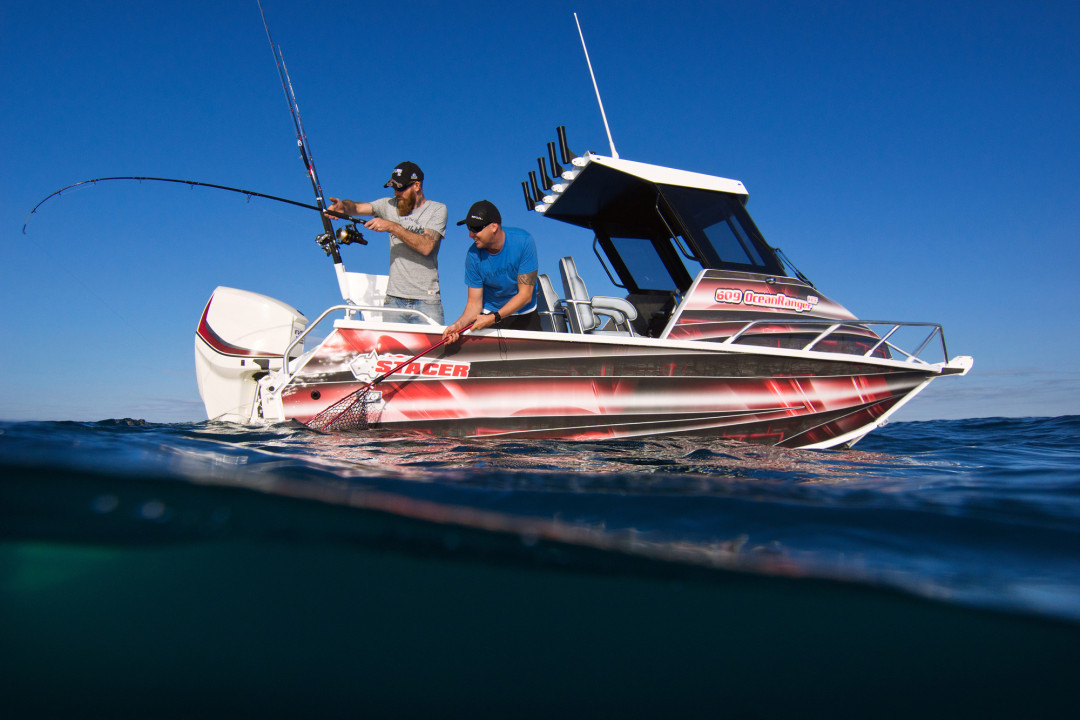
column 497, row 273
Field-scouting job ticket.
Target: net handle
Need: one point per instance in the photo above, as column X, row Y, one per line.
column 320, row 423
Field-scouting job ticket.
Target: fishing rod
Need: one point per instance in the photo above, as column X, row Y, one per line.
column 327, row 238
column 345, row 235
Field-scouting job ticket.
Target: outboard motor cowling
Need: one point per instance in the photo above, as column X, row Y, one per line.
column 241, row 336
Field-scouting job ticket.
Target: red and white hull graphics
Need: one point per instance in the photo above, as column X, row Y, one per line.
column 547, row 386
column 721, row 303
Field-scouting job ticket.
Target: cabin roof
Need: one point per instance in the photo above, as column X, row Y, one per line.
column 613, row 190
column 671, row 176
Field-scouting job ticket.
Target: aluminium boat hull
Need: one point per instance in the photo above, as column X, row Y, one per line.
column 540, row 385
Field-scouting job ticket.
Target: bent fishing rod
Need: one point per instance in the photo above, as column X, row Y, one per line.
column 329, row 239
column 345, row 235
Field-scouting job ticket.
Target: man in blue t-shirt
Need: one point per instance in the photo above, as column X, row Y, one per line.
column 500, row 272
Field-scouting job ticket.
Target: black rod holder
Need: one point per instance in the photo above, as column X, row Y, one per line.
column 564, row 149
column 530, row 204
column 547, row 182
column 537, row 192
column 556, row 168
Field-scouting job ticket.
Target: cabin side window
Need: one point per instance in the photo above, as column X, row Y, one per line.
column 652, row 269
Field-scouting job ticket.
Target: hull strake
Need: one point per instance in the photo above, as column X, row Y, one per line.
column 532, row 386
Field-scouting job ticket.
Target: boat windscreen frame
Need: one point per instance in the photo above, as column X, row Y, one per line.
column 740, row 230
column 677, row 242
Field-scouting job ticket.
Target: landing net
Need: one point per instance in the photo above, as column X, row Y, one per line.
column 352, row 413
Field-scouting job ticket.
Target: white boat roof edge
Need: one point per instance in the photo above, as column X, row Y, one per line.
column 671, row 176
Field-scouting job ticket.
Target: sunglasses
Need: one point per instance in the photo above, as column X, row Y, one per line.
column 475, row 228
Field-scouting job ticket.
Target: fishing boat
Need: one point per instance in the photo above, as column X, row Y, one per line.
column 714, row 333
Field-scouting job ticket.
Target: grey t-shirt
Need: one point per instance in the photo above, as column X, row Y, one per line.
column 413, row 275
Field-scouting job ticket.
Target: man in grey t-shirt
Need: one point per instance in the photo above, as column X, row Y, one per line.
column 416, row 226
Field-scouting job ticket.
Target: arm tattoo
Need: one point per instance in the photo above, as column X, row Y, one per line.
column 527, row 278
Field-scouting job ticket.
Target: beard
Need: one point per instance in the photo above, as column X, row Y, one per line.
column 406, row 204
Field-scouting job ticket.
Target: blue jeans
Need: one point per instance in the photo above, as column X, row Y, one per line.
column 432, row 308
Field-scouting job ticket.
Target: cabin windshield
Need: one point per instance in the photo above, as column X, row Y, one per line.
column 721, row 230
column 687, row 230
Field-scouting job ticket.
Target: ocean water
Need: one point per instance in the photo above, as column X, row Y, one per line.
column 208, row 570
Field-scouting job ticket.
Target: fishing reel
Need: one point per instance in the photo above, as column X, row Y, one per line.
column 346, row 235
column 349, row 234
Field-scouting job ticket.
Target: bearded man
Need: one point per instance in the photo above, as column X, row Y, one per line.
column 416, row 226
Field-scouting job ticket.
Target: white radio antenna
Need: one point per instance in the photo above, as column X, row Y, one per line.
column 611, row 142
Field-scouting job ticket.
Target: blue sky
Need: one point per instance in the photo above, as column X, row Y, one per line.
column 917, row 160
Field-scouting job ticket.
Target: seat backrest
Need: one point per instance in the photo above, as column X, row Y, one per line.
column 578, row 303
column 550, row 307
column 622, row 312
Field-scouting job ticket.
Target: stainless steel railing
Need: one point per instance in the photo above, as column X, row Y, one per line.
column 888, row 329
column 350, row 311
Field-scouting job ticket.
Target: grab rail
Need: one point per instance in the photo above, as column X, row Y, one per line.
column 349, row 309
column 863, row 325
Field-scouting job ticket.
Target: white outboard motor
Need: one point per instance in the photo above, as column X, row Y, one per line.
column 241, row 336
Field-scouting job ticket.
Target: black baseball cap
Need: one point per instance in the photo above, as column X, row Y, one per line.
column 482, row 213
column 405, row 173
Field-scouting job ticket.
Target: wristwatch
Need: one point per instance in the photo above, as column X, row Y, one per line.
column 498, row 317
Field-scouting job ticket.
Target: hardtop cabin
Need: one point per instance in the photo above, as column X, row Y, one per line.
column 659, row 233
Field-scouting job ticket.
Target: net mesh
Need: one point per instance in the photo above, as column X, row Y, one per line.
column 352, row 413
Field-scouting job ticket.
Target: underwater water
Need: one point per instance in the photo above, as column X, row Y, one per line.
column 210, row 570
